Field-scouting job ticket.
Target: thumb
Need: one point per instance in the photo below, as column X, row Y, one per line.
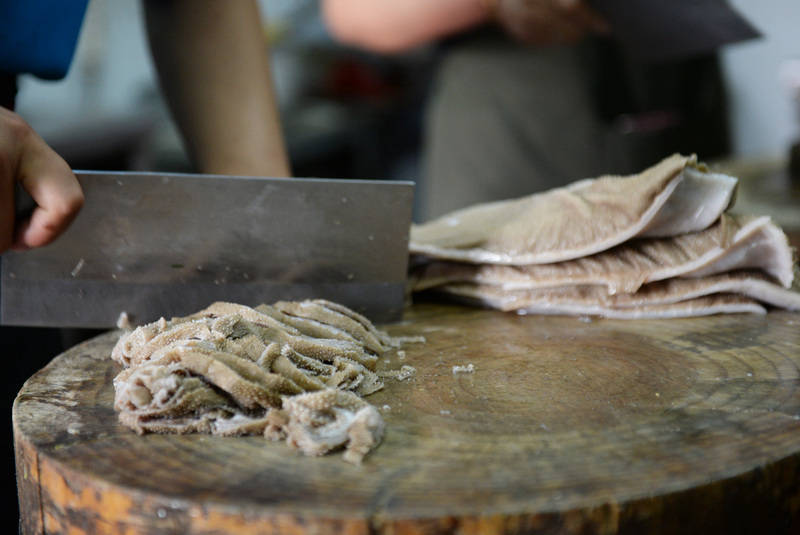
column 54, row 187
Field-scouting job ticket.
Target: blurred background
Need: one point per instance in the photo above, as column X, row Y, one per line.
column 344, row 113
column 348, row 113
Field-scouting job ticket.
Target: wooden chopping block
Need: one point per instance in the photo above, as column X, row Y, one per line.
column 566, row 425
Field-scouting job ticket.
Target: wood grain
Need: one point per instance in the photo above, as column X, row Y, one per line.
column 566, row 426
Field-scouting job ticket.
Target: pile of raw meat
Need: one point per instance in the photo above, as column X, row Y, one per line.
column 658, row 244
column 291, row 371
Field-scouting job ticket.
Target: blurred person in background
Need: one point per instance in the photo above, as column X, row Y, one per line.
column 533, row 94
column 213, row 66
column 214, row 69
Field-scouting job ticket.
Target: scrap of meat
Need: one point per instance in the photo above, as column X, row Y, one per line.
column 733, row 243
column 318, row 422
column 225, row 368
column 676, row 196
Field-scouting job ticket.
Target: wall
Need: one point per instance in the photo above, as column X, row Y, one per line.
column 112, row 73
column 764, row 118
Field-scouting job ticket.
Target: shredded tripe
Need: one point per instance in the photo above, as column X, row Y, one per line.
column 292, row 370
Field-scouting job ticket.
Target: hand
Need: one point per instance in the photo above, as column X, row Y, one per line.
column 548, row 22
column 26, row 158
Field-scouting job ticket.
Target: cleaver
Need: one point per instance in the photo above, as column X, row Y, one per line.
column 147, row 245
column 673, row 29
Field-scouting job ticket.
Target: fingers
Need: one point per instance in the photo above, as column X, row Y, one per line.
column 584, row 16
column 549, row 28
column 51, row 183
column 544, row 22
column 26, row 158
column 564, row 30
column 12, row 130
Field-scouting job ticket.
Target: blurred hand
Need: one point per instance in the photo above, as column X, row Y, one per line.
column 26, row 158
column 548, row 22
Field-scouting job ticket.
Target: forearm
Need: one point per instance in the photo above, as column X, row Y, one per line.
column 214, row 69
column 397, row 25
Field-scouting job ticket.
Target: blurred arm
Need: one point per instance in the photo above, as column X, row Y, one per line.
column 212, row 60
column 397, row 25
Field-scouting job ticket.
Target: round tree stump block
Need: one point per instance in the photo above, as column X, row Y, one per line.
column 566, row 425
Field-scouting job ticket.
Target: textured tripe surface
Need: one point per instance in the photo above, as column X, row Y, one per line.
column 293, row 370
column 589, row 216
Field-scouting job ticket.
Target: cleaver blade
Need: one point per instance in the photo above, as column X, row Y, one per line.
column 675, row 29
column 169, row 244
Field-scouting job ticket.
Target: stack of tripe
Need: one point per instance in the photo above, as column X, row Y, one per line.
column 653, row 245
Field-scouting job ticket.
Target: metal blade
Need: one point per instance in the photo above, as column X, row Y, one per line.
column 155, row 245
column 675, row 29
